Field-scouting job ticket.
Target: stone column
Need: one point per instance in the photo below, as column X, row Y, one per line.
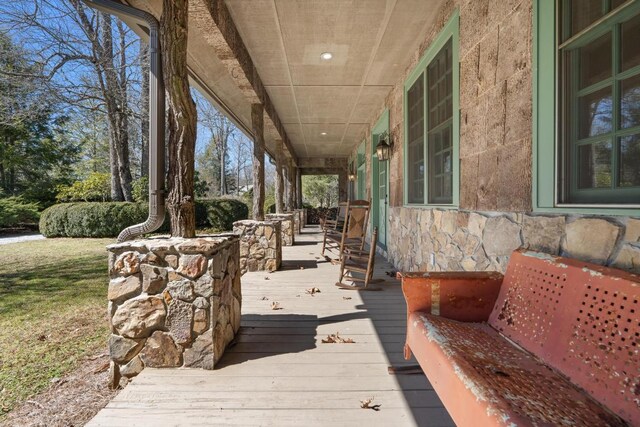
column 279, row 178
column 343, row 183
column 257, row 124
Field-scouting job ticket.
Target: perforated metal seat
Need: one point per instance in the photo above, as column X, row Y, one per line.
column 551, row 328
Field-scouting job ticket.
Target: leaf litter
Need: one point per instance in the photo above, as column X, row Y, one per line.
column 337, row 339
column 313, row 291
column 366, row 404
column 275, row 305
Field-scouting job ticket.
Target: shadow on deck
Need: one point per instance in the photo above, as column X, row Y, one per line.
column 280, row 372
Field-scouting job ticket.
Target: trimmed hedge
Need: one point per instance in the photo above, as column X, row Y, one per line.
column 90, row 219
column 223, row 212
column 107, row 219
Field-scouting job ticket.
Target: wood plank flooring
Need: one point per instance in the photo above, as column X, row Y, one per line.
column 280, row 373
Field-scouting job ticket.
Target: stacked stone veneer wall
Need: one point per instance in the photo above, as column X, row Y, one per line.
column 297, row 221
column 287, row 227
column 173, row 302
column 303, row 219
column 260, row 245
column 462, row 240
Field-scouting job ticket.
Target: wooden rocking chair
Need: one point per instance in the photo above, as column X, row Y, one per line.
column 357, row 266
column 352, row 233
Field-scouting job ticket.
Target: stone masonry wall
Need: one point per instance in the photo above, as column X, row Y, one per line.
column 287, row 227
column 463, row 240
column 297, row 221
column 495, row 53
column 173, row 302
column 260, row 245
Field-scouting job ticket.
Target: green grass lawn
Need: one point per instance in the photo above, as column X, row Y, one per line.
column 52, row 312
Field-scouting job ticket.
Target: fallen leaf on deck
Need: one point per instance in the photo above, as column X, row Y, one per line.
column 347, row 298
column 275, row 306
column 366, row 404
column 301, row 268
column 337, row 339
column 264, row 299
column 267, row 278
column 391, row 273
column 312, row 291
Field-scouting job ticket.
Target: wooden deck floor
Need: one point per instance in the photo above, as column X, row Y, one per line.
column 280, row 373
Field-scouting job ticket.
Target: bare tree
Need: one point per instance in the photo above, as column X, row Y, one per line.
column 222, row 131
column 85, row 67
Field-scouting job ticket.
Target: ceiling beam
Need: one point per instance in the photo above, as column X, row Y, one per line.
column 220, row 31
column 336, row 163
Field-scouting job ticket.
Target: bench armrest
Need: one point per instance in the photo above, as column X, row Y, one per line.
column 462, row 296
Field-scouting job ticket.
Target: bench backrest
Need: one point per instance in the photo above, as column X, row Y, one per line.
column 580, row 318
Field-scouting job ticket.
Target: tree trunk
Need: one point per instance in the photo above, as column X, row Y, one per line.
column 182, row 117
column 279, row 190
column 299, row 187
column 116, row 103
column 223, row 174
column 144, row 113
column 257, row 122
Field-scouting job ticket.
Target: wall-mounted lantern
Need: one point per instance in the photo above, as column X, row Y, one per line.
column 352, row 177
column 383, row 149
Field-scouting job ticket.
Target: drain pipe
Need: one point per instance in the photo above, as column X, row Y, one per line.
column 156, row 115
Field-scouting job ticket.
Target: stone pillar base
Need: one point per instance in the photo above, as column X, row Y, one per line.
column 173, row 302
column 260, row 245
column 287, row 226
column 297, row 221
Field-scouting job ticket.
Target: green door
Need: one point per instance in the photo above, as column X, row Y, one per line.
column 380, row 182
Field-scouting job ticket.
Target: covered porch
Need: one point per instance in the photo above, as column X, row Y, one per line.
column 280, row 372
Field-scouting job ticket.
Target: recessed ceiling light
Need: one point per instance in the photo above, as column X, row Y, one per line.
column 326, row 56
column 323, row 133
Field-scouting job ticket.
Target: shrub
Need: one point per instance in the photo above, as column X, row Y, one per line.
column 91, row 219
column 140, row 189
column 15, row 211
column 108, row 219
column 96, row 188
column 223, row 212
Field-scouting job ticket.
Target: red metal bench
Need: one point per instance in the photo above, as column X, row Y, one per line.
column 553, row 342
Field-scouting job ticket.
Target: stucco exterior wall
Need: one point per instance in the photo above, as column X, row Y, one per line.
column 495, row 53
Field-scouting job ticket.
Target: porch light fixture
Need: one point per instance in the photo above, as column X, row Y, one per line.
column 325, row 56
column 323, row 133
column 352, row 177
column 383, row 149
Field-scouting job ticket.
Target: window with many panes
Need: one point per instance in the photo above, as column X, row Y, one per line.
column 599, row 102
column 431, row 125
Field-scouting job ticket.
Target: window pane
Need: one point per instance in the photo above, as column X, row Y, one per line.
column 440, row 138
column 595, row 61
column 584, row 13
column 415, row 158
column 595, row 113
column 630, row 43
column 594, row 168
column 630, row 161
column 630, row 102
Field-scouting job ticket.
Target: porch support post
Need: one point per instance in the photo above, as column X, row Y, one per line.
column 290, row 187
column 299, row 187
column 343, row 183
column 279, row 178
column 257, row 124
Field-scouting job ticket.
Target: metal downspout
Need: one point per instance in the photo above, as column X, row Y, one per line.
column 156, row 115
